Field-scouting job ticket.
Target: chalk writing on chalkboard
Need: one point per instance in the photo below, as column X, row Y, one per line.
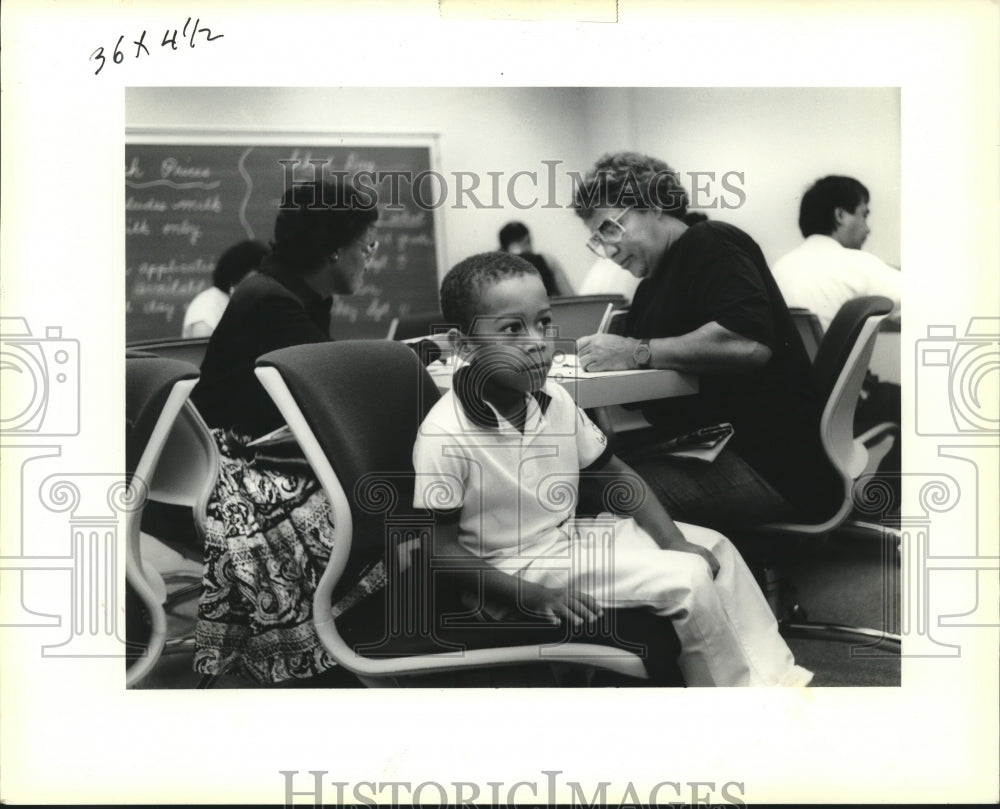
column 186, row 203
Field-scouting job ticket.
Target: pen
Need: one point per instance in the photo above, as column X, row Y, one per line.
column 606, row 320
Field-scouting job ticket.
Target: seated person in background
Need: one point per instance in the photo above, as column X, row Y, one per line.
column 205, row 310
column 499, row 459
column 516, row 238
column 829, row 268
column 269, row 528
column 707, row 305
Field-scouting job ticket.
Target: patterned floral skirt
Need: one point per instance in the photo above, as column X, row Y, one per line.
column 269, row 534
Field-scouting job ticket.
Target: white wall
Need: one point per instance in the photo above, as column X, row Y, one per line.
column 781, row 139
column 480, row 130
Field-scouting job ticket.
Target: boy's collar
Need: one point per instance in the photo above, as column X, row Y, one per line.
column 476, row 407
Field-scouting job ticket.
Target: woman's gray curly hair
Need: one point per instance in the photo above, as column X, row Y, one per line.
column 622, row 179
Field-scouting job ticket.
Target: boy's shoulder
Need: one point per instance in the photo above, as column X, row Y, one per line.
column 445, row 415
column 449, row 418
column 558, row 394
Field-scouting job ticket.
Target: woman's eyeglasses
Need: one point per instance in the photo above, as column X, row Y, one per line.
column 604, row 240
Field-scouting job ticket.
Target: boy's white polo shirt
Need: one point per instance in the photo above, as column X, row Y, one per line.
column 512, row 490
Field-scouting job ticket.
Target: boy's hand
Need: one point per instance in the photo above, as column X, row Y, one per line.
column 704, row 553
column 576, row 608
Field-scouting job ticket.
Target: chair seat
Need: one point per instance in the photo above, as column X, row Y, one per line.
column 626, row 631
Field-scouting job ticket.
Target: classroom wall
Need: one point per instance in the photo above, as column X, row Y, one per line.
column 779, row 139
column 480, row 130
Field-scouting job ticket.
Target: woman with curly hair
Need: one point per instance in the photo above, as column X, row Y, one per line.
column 707, row 305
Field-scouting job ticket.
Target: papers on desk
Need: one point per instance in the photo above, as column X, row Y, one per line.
column 566, row 366
column 596, row 388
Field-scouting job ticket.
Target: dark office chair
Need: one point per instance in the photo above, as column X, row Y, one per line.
column 809, row 328
column 840, row 367
column 191, row 349
column 170, row 459
column 354, row 408
column 418, row 324
column 580, row 315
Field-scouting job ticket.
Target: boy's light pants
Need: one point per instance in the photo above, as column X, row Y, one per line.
column 727, row 632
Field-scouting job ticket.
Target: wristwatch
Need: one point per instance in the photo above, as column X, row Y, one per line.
column 642, row 354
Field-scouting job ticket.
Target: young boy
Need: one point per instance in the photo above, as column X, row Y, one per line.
column 499, row 459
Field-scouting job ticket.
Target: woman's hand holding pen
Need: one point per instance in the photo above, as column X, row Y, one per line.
column 606, row 352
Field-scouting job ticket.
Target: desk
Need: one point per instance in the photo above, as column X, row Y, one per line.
column 601, row 388
column 885, row 361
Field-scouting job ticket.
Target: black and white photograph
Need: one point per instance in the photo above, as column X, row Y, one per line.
column 592, row 403
column 812, row 494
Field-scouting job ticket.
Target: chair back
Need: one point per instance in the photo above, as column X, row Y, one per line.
column 809, row 328
column 191, row 350
column 420, row 324
column 581, row 315
column 149, row 383
column 363, row 400
column 355, row 408
column 839, row 368
column 170, row 457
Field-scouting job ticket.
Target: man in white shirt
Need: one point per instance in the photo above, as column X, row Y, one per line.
column 829, row 268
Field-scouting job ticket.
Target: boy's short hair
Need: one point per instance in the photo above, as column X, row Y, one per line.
column 821, row 200
column 462, row 288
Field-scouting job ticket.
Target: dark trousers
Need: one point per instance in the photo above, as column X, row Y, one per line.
column 722, row 494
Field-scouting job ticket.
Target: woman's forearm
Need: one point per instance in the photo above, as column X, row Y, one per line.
column 710, row 349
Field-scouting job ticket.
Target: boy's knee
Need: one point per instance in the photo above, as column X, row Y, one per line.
column 706, row 537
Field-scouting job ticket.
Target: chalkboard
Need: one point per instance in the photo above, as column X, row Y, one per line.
column 186, row 202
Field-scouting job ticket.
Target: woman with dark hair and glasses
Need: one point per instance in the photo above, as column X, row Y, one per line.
column 269, row 527
column 707, row 305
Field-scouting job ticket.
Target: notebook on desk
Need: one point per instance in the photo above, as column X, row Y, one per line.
column 703, row 445
column 568, row 366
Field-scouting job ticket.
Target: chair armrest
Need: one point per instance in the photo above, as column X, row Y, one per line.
column 878, row 432
column 878, row 441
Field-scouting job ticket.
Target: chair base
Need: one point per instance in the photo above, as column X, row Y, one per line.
column 793, row 622
column 807, row 630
